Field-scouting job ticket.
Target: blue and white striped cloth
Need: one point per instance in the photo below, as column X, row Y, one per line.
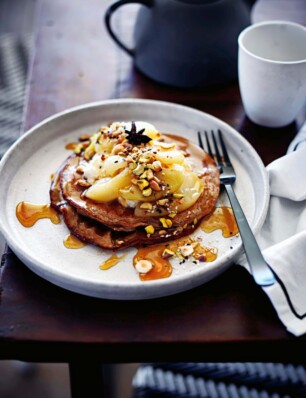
column 14, row 55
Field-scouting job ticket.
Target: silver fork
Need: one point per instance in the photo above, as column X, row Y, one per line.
column 261, row 271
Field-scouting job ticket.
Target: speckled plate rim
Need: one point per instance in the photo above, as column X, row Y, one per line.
column 127, row 290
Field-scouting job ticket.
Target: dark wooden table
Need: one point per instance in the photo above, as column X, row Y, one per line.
column 227, row 319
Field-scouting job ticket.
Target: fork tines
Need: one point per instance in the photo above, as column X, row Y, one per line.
column 220, row 155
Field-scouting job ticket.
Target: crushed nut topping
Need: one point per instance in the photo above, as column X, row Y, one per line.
column 143, row 266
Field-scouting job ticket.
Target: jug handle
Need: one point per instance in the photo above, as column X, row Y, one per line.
column 109, row 12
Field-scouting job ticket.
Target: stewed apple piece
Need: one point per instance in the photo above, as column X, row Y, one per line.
column 190, row 191
column 107, row 189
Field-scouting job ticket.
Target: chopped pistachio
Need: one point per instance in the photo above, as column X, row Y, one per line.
column 169, row 222
column 166, row 222
column 139, row 169
column 167, row 253
column 143, row 159
column 144, row 174
column 90, row 151
column 132, row 166
column 162, row 202
column 78, row 149
column 146, row 206
column 142, row 184
column 150, row 229
column 178, row 195
column 147, row 192
column 179, row 255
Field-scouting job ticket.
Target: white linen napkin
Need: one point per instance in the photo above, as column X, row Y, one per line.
column 283, row 236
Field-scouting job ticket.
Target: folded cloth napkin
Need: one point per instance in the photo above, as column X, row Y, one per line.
column 283, row 236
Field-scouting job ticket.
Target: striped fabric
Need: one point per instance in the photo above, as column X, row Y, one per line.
column 14, row 60
column 220, row 380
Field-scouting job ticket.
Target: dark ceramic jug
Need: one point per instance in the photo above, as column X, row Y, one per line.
column 186, row 43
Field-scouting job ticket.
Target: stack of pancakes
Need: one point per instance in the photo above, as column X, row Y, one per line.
column 115, row 223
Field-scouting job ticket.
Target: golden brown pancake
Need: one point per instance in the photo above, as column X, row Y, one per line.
column 112, row 225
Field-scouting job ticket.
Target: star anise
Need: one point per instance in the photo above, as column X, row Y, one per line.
column 136, row 138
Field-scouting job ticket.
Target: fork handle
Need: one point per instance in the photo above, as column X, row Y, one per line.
column 261, row 271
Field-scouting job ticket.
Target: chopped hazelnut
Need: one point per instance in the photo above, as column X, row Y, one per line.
column 83, row 183
column 154, row 185
column 150, row 174
column 143, row 266
column 186, row 250
column 84, row 137
column 157, row 165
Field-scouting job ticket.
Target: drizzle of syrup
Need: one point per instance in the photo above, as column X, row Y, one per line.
column 72, row 242
column 222, row 218
column 161, row 265
column 111, row 261
column 200, row 252
column 28, row 213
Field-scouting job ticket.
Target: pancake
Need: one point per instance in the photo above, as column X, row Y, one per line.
column 122, row 223
column 89, row 231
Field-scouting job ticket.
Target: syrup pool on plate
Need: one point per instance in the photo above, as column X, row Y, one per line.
column 72, row 242
column 28, row 213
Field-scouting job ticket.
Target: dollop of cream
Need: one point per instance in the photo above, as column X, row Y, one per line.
column 92, row 169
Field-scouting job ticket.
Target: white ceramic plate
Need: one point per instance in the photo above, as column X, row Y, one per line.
column 25, row 173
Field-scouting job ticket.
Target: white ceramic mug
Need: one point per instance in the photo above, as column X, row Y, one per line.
column 272, row 72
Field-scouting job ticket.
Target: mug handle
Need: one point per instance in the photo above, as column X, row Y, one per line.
column 108, row 15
